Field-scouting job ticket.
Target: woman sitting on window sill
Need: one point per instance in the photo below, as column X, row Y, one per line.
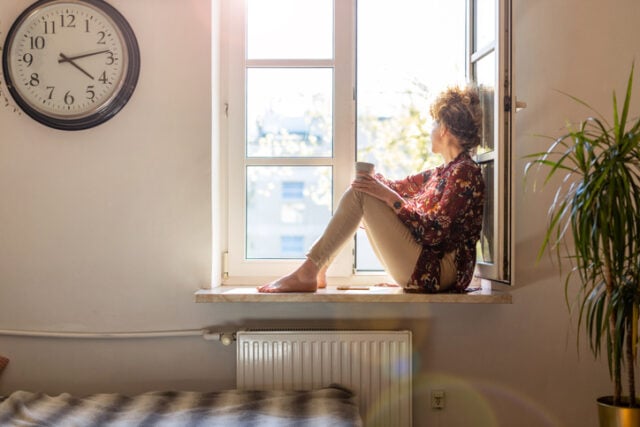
column 423, row 228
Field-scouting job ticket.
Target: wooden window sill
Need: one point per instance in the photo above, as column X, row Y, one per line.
column 332, row 294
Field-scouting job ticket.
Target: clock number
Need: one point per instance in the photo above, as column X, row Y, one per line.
column 103, row 77
column 90, row 93
column 49, row 25
column 27, row 58
column 102, row 35
column 37, row 42
column 110, row 58
column 70, row 22
column 86, row 25
column 50, row 89
column 68, row 98
column 35, row 80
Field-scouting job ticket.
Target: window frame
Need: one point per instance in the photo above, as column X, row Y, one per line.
column 234, row 268
column 501, row 269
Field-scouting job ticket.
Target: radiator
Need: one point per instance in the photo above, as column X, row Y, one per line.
column 376, row 365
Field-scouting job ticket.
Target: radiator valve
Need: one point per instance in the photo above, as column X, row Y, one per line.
column 226, row 338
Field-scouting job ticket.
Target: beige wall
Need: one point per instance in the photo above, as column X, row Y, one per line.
column 109, row 230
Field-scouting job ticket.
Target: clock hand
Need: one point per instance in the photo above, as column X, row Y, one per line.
column 70, row 61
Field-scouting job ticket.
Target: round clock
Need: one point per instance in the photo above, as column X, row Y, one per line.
column 71, row 64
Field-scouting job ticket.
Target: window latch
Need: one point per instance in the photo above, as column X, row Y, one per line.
column 520, row 105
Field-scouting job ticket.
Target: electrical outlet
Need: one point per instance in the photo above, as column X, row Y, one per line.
column 437, row 399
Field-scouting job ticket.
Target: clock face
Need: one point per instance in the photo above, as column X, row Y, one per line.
column 71, row 64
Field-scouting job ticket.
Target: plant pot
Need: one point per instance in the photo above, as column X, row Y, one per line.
column 617, row 416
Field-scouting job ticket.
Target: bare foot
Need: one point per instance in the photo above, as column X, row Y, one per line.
column 321, row 278
column 289, row 283
column 304, row 279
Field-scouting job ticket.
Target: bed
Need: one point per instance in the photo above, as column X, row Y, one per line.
column 331, row 406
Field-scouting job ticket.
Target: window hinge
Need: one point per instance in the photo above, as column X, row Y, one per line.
column 225, row 265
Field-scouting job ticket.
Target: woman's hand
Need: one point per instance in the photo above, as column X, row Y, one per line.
column 370, row 185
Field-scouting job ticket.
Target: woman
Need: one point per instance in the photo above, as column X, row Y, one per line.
column 423, row 228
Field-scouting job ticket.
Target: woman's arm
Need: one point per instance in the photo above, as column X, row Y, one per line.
column 409, row 186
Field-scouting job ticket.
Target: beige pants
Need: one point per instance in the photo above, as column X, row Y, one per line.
column 390, row 239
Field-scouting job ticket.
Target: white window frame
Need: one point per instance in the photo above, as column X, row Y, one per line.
column 503, row 181
column 235, row 269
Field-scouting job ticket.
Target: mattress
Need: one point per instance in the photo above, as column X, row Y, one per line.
column 331, row 406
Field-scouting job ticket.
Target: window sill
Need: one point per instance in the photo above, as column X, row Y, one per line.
column 374, row 294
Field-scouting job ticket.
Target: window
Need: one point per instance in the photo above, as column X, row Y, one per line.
column 490, row 67
column 309, row 87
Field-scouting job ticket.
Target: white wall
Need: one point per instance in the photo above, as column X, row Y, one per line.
column 109, row 230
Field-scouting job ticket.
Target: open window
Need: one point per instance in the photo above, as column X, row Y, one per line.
column 310, row 87
column 489, row 66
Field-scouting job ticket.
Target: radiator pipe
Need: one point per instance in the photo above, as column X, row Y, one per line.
column 225, row 337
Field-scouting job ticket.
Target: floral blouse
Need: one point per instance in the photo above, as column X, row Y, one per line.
column 443, row 209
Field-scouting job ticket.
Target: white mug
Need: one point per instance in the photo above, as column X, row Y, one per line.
column 365, row 167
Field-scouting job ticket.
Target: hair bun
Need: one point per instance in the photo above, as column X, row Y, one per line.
column 460, row 111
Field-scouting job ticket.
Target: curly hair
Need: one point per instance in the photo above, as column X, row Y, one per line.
column 460, row 111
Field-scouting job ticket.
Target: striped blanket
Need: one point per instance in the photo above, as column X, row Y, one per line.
column 332, row 406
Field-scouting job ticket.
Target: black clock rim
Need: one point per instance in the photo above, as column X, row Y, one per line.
column 114, row 106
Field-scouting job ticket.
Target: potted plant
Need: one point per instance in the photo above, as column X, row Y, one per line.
column 595, row 219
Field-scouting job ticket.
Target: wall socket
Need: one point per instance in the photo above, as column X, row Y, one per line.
column 437, row 399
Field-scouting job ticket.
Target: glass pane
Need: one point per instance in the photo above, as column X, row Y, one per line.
column 485, row 244
column 287, row 209
column 485, row 70
column 366, row 259
column 484, row 23
column 397, row 81
column 289, row 112
column 485, row 73
column 488, row 135
column 290, row 29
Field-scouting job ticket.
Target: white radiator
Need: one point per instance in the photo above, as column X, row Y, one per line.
column 376, row 365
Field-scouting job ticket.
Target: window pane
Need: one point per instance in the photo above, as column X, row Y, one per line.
column 400, row 70
column 485, row 244
column 289, row 112
column 366, row 259
column 485, row 74
column 484, row 23
column 290, row 29
column 488, row 135
column 292, row 245
column 485, row 70
column 287, row 209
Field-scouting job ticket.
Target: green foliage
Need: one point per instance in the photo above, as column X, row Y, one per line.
column 595, row 216
column 399, row 145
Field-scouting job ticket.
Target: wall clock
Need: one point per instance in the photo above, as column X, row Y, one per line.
column 71, row 64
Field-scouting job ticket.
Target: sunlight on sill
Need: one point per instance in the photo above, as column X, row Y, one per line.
column 369, row 294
